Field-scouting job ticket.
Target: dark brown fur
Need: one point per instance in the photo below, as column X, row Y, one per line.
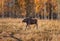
column 30, row 21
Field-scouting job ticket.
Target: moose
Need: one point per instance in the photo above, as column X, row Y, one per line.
column 30, row 21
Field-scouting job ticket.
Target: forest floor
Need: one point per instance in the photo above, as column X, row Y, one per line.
column 14, row 30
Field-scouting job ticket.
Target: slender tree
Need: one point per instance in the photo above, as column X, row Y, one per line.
column 29, row 8
column 49, row 8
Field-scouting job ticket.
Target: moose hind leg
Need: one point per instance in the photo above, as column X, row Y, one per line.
column 36, row 26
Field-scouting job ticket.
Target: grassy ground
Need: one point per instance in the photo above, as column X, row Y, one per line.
column 14, row 30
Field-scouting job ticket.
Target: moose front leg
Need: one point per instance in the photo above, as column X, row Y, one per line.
column 37, row 26
column 26, row 27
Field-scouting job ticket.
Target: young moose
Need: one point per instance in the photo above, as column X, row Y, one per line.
column 30, row 21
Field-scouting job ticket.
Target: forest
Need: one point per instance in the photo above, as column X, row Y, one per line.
column 29, row 8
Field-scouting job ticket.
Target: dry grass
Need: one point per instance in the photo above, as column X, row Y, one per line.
column 49, row 30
